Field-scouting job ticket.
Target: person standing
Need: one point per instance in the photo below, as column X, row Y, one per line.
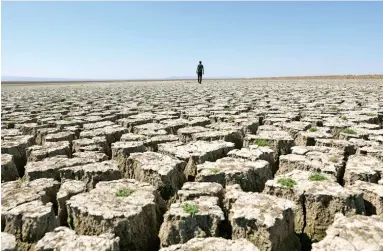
column 200, row 72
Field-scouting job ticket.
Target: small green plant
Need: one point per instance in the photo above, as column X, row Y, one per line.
column 214, row 170
column 343, row 117
column 313, row 129
column 190, row 208
column 334, row 159
column 317, row 177
column 287, row 182
column 333, row 108
column 261, row 142
column 124, row 192
column 230, row 119
column 371, row 114
column 251, row 238
column 21, row 181
column 68, row 119
column 349, row 131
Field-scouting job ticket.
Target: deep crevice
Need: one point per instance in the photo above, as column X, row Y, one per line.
column 303, row 237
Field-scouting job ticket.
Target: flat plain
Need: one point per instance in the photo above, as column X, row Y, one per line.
column 248, row 164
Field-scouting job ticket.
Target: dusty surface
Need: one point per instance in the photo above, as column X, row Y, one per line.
column 267, row 221
column 126, row 208
column 180, row 225
column 213, row 244
column 67, row 149
column 63, row 238
column 353, row 233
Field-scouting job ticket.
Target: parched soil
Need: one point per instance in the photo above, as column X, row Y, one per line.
column 288, row 163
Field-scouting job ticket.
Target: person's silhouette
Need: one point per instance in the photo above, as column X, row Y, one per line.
column 200, row 72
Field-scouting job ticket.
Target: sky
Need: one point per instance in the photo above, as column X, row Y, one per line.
column 133, row 40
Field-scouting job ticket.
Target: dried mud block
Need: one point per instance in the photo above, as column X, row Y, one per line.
column 68, row 189
column 373, row 151
column 8, row 168
column 230, row 127
column 30, row 128
column 318, row 199
column 93, row 144
column 41, row 133
column 152, row 133
column 199, row 121
column 309, row 137
column 129, row 209
column 213, row 244
column 61, row 136
column 15, row 193
column 17, row 147
column 8, row 242
column 377, row 139
column 353, row 133
column 346, row 146
column 132, row 137
column 65, row 239
column 29, row 222
column 173, row 125
column 111, row 133
column 74, row 129
column 228, row 136
column 92, row 173
column 250, row 175
column 195, row 153
column 250, row 126
column 97, row 125
column 275, row 120
column 10, row 133
column 353, row 233
column 185, row 134
column 267, row 128
column 280, row 141
column 90, row 155
column 150, row 127
column 161, row 117
column 61, row 124
column 48, row 149
column 152, row 143
column 192, row 190
column 253, row 153
column 314, row 159
column 295, row 127
column 363, row 168
column 122, row 150
column 372, row 195
column 50, row 167
column 133, row 121
column 201, row 217
column 360, row 143
column 165, row 173
column 266, row 221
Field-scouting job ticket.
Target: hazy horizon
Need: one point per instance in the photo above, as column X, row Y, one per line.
column 158, row 40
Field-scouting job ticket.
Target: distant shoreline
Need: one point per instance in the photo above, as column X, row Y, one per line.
column 370, row 76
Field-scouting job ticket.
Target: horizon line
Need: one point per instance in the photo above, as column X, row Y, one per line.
column 63, row 80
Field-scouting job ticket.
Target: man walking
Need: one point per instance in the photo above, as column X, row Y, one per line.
column 200, row 72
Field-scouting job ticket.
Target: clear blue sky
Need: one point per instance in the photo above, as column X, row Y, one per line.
column 120, row 40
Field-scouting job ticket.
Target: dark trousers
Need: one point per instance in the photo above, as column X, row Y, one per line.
column 199, row 77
